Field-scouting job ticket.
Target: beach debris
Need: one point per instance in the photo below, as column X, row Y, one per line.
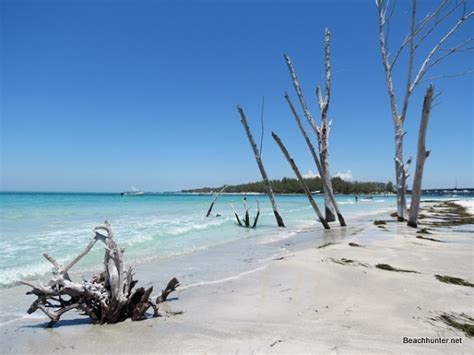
column 214, row 201
column 388, row 267
column 301, row 180
column 421, row 157
column 275, row 343
column 322, row 131
column 245, row 221
column 460, row 322
column 424, row 231
column 258, row 158
column 452, row 214
column 356, row 245
column 326, row 245
column 453, row 280
column 431, row 239
column 344, row 261
column 378, row 222
column 108, row 297
column 410, row 62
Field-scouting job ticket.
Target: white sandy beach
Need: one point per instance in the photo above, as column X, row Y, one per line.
column 305, row 302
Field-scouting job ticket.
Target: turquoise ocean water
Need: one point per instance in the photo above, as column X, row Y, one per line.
column 149, row 227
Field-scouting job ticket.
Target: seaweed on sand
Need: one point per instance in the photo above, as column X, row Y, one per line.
column 431, row 239
column 424, row 231
column 453, row 280
column 355, row 245
column 326, row 245
column 391, row 268
column 452, row 215
column 344, row 261
column 461, row 322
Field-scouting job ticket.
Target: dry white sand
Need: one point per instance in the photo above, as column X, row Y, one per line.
column 469, row 204
column 303, row 303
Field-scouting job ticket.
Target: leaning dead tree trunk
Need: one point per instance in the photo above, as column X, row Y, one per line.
column 258, row 158
column 311, row 148
column 301, row 180
column 215, row 199
column 322, row 132
column 420, row 158
column 107, row 298
column 420, row 33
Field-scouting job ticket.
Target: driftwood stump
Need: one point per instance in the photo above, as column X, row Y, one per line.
column 245, row 221
column 107, row 298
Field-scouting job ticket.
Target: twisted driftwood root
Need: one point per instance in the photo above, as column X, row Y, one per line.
column 107, row 298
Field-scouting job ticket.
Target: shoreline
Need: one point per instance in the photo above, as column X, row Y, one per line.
column 313, row 299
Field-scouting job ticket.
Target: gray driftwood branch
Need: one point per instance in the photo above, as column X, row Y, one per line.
column 322, row 131
column 258, row 158
column 215, row 199
column 301, row 180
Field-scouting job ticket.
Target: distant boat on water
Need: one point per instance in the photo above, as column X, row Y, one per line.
column 133, row 192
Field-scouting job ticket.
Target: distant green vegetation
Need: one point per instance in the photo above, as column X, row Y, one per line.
column 288, row 185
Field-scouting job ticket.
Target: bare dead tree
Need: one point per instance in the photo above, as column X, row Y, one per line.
column 311, row 148
column 215, row 199
column 301, row 180
column 258, row 158
column 421, row 157
column 322, row 131
column 420, row 32
column 107, row 298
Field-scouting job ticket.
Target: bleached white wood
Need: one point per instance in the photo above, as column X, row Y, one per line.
column 421, row 157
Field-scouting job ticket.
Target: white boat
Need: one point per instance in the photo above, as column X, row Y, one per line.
column 133, row 192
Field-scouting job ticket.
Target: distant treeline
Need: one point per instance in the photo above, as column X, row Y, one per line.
column 288, row 186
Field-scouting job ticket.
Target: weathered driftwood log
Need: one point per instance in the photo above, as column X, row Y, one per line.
column 420, row 159
column 107, row 298
column 215, row 199
column 245, row 221
column 301, row 180
column 258, row 158
column 311, row 148
column 322, row 132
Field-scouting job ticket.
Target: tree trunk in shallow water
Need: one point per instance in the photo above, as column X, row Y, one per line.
column 215, row 199
column 258, row 158
column 322, row 132
column 301, row 180
column 420, row 158
column 330, row 209
column 310, row 145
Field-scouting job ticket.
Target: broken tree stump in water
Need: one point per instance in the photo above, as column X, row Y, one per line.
column 245, row 222
column 107, row 298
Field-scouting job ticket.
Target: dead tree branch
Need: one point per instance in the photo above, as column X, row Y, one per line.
column 215, row 199
column 258, row 158
column 301, row 180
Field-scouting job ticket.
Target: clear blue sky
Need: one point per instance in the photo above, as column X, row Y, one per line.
column 102, row 95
